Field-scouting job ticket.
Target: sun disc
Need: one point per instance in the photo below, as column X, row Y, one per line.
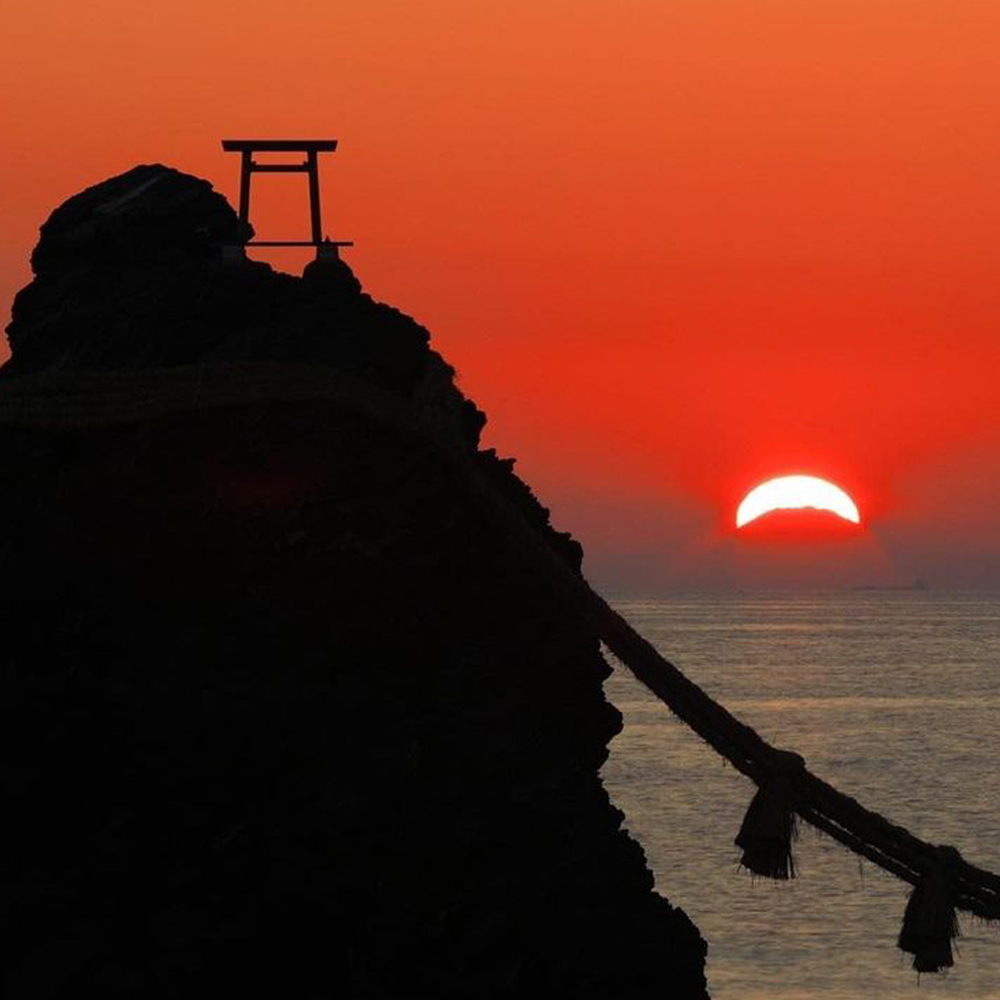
column 795, row 492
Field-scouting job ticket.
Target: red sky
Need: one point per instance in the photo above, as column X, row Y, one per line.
column 673, row 247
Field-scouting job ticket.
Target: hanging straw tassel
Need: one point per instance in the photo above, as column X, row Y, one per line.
column 768, row 828
column 930, row 923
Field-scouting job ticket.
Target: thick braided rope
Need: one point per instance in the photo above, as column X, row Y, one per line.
column 93, row 399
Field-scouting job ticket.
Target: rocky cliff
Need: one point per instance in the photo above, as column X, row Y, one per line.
column 282, row 711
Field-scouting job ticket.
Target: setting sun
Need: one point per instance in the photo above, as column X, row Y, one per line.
column 796, row 492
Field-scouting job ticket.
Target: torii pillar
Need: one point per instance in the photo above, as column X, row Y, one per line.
column 248, row 167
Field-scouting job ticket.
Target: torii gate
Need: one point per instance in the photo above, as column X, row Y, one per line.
column 312, row 148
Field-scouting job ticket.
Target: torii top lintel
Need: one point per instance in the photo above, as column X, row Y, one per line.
column 311, row 147
column 279, row 145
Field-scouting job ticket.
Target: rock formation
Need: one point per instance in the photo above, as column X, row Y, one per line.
column 281, row 711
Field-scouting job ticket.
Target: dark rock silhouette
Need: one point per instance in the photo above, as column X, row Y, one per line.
column 281, row 711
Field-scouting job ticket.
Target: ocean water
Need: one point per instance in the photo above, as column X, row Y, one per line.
column 894, row 697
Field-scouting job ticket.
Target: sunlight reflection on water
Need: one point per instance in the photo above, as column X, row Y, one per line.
column 894, row 698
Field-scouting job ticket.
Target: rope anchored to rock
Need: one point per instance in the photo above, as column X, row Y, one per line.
column 943, row 882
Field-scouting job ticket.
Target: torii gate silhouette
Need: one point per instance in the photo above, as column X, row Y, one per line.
column 312, row 148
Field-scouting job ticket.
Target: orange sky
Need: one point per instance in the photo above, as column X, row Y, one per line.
column 672, row 246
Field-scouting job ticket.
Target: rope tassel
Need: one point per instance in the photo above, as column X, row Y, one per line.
column 769, row 828
column 929, row 923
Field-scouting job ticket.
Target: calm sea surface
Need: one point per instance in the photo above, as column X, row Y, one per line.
column 893, row 697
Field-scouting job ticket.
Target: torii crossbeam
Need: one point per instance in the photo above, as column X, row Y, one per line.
column 312, row 148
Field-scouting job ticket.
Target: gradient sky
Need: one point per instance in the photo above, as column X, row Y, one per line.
column 673, row 247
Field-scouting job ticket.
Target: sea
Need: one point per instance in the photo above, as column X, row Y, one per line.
column 891, row 696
